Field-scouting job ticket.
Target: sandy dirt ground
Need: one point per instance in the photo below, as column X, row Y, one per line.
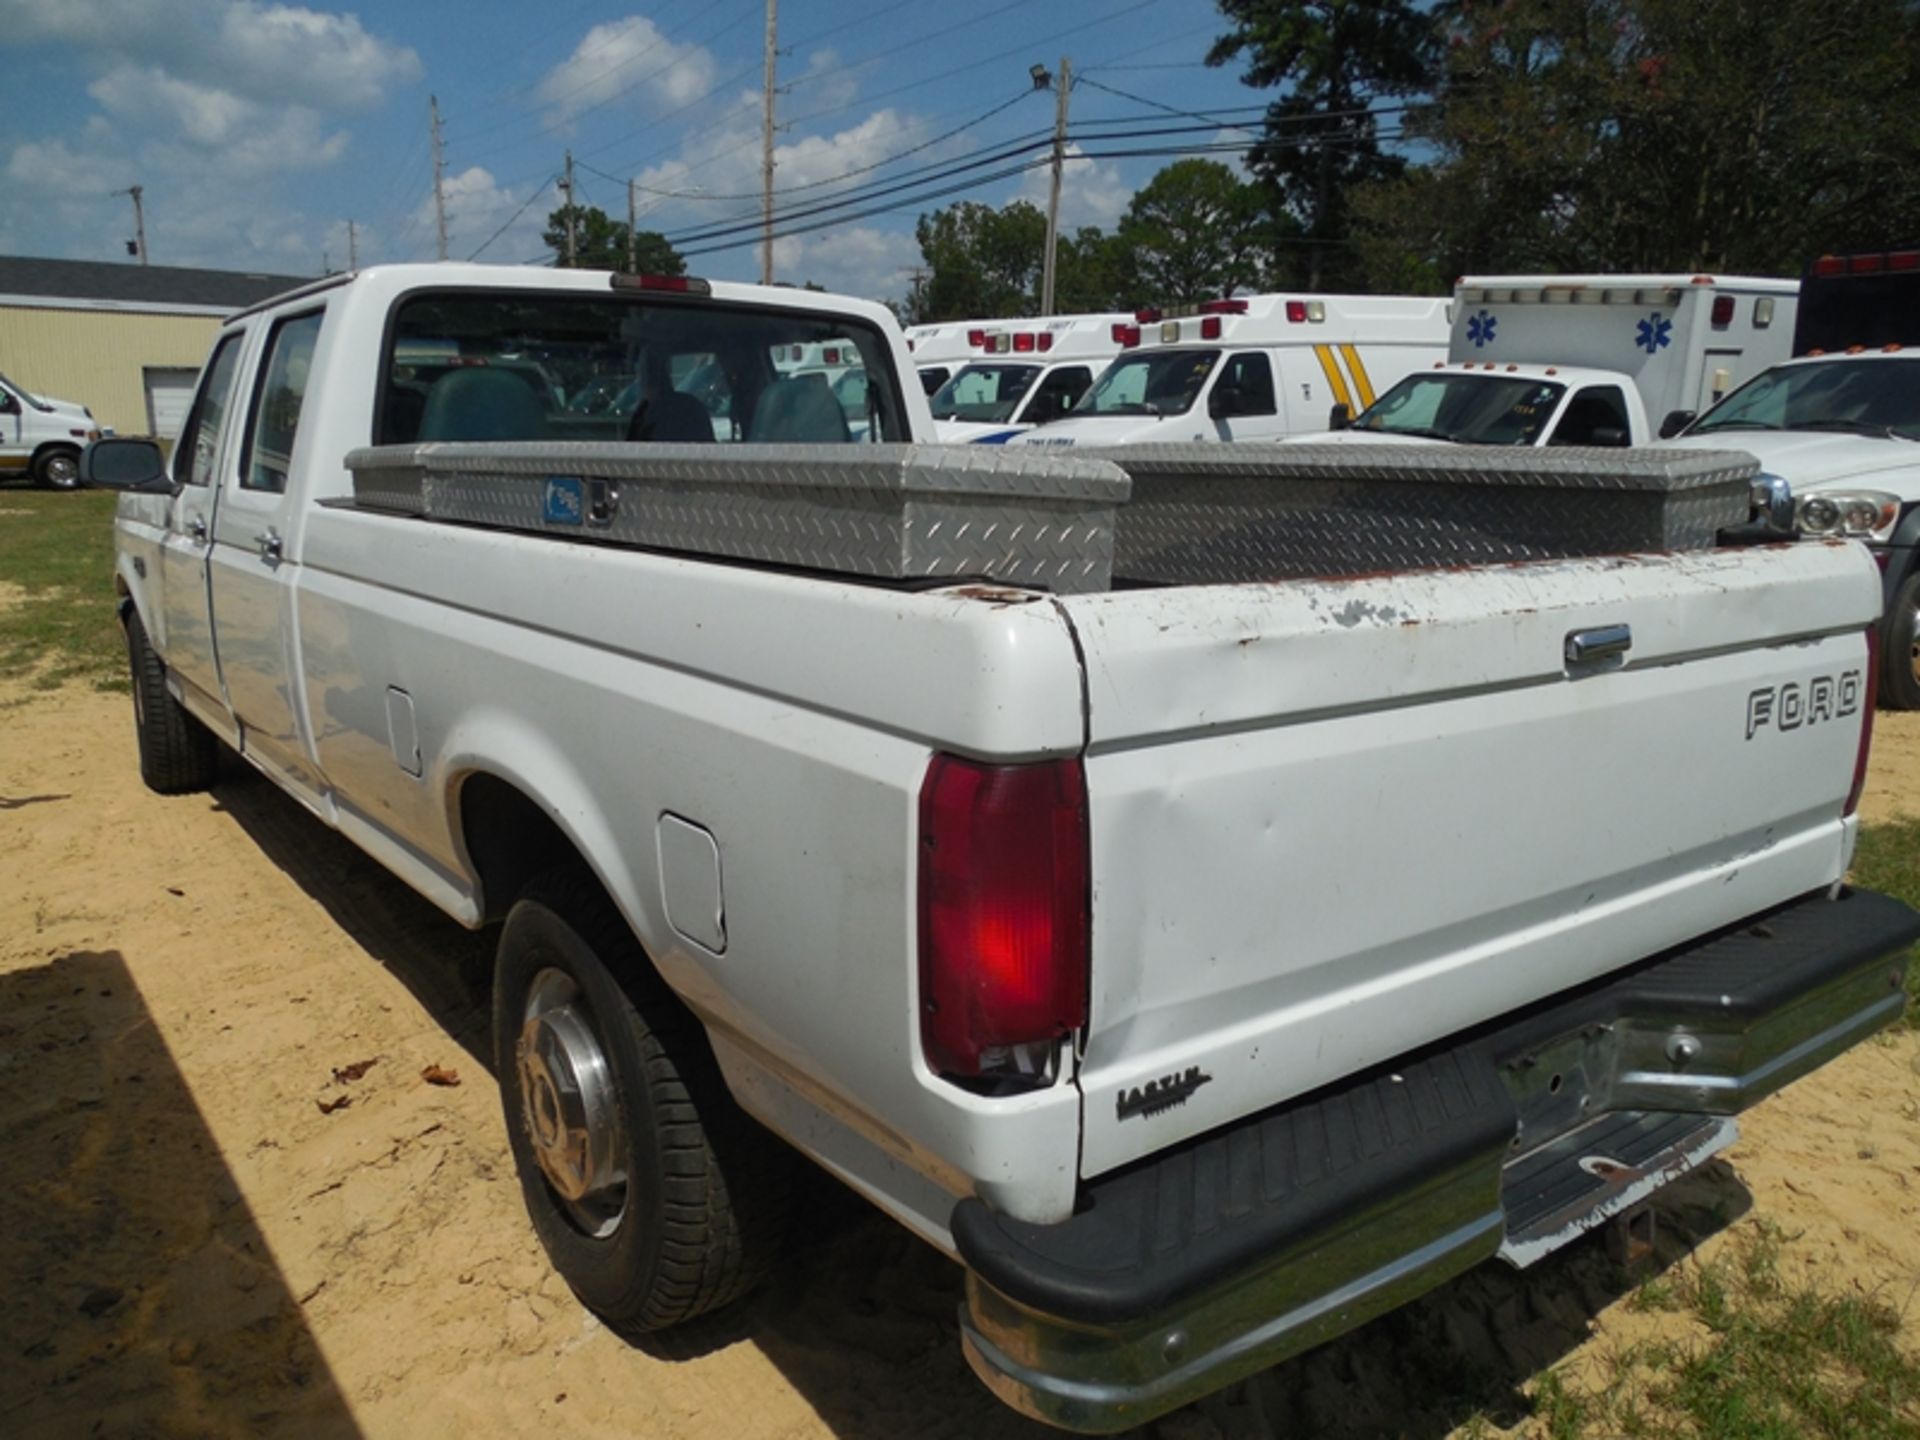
column 197, row 1237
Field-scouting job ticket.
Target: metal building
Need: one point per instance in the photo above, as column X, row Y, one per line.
column 124, row 340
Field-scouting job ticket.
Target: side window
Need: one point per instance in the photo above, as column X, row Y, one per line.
column 1252, row 375
column 1057, row 393
column 1595, row 409
column 276, row 410
column 199, row 442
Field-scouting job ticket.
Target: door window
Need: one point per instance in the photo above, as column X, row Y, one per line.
column 1251, row 375
column 1058, row 392
column 199, row 442
column 276, row 410
column 1593, row 409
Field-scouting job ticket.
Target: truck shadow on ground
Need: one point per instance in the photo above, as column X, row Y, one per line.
column 859, row 1316
column 447, row 967
column 137, row 1295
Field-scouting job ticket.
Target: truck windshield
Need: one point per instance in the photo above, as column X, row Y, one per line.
column 540, row 365
column 25, row 394
column 1870, row 395
column 984, row 392
column 1470, row 409
column 1165, row 382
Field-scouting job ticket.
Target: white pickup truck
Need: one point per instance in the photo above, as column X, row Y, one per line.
column 1208, row 967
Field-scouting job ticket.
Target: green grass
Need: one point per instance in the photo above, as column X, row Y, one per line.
column 1774, row 1360
column 1888, row 859
column 60, row 552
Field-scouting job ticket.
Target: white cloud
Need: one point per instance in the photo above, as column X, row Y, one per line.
column 250, row 138
column 476, row 207
column 276, row 53
column 1092, row 192
column 852, row 259
column 628, row 59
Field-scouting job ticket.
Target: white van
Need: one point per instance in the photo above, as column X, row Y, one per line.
column 1585, row 359
column 43, row 437
column 1028, row 373
column 1259, row 367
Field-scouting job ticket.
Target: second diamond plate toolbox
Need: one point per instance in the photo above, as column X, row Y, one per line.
column 1208, row 514
column 895, row 512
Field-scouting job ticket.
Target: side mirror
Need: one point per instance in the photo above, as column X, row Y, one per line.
column 1340, row 417
column 9, row 404
column 123, row 464
column 1676, row 421
column 1607, row 435
column 1224, row 403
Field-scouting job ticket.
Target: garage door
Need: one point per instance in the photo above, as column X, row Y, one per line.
column 169, row 393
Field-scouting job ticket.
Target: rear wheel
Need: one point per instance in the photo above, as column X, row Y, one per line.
column 1900, row 679
column 656, row 1197
column 177, row 753
column 57, row 469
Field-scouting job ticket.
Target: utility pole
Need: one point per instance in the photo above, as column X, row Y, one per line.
column 633, row 217
column 766, row 147
column 439, row 173
column 353, row 247
column 139, row 220
column 566, row 185
column 1064, row 82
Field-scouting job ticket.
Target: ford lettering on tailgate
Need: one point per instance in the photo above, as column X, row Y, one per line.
column 1798, row 703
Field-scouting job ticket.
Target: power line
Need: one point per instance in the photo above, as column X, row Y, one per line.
column 1171, row 110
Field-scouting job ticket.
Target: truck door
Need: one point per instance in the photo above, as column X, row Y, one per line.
column 186, row 624
column 1241, row 403
column 252, row 569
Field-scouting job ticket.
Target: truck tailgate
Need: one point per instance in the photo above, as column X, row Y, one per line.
column 1335, row 821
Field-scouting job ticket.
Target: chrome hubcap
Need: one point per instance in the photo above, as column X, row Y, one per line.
column 63, row 471
column 567, row 1103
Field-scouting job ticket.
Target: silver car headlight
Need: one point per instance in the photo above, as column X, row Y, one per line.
column 1848, row 514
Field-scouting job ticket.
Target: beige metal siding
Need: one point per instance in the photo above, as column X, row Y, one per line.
column 96, row 357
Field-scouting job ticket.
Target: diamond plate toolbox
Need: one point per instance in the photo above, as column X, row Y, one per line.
column 895, row 512
column 1205, row 514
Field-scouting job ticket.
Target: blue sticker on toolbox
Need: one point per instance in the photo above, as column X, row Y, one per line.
column 565, row 504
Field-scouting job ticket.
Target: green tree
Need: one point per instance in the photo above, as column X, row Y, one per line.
column 600, row 243
column 1197, row 230
column 1093, row 271
column 1331, row 60
column 1657, row 135
column 985, row 262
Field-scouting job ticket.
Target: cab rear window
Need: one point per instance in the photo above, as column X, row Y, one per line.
column 492, row 365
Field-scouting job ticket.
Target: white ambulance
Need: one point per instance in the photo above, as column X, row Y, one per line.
column 939, row 350
column 1258, row 367
column 1585, row 359
column 1026, row 373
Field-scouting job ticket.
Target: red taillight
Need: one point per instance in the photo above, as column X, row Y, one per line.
column 670, row 284
column 1003, row 909
column 1209, row 327
column 830, row 357
column 1865, row 264
column 1046, row 342
column 1223, row 307
column 1904, row 260
column 1296, row 312
column 1723, row 310
column 1023, row 342
column 1148, row 316
column 1866, row 721
column 1830, row 265
column 1126, row 336
column 976, row 338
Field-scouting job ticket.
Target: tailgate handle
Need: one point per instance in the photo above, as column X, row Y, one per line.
column 1603, row 642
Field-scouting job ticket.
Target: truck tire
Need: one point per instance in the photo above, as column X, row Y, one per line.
column 57, row 468
column 657, row 1198
column 1900, row 646
column 178, row 754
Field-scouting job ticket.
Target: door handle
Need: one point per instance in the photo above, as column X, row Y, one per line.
column 270, row 545
column 197, row 530
column 1601, row 643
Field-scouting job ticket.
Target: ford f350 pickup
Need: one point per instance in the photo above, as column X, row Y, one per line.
column 1178, row 891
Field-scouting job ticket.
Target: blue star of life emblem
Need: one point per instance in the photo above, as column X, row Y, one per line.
column 1654, row 333
column 1480, row 328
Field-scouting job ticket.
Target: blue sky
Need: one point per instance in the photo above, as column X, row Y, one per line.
column 259, row 130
